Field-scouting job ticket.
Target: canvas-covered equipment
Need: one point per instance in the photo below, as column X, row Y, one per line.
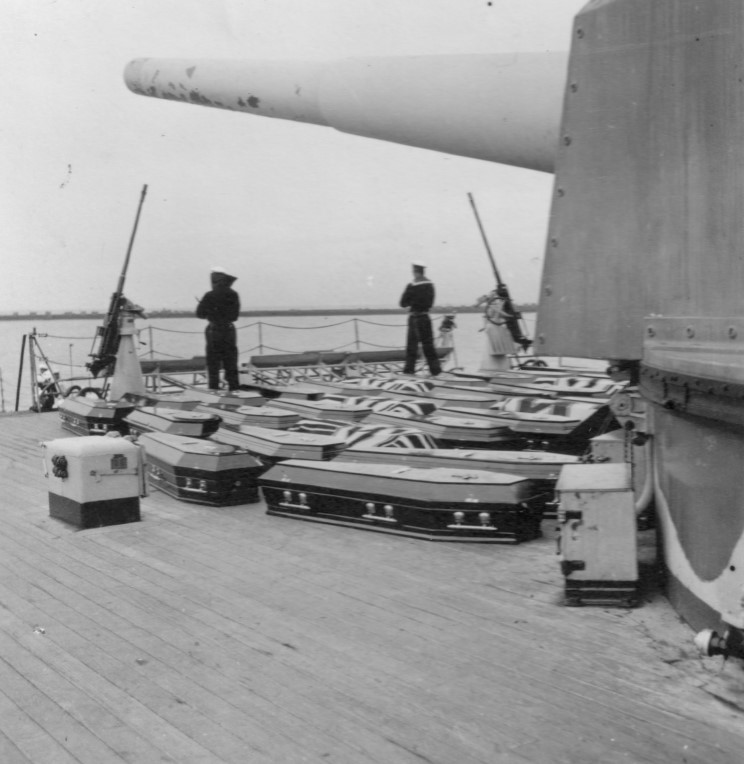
column 94, row 481
column 201, row 471
column 439, row 504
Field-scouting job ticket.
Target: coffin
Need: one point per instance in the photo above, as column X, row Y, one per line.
column 542, row 468
column 195, row 424
column 94, row 416
column 535, row 465
column 226, row 400
column 407, row 389
column 201, row 471
column 467, row 431
column 282, row 444
column 164, row 400
column 338, row 408
column 257, row 416
column 438, row 504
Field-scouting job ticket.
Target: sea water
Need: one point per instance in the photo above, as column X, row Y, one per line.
column 66, row 344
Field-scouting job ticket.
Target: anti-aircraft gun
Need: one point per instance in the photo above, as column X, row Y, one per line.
column 106, row 340
column 512, row 317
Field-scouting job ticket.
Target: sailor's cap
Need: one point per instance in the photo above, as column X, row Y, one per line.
column 418, row 264
column 219, row 271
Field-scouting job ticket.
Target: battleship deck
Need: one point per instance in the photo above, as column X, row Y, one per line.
column 225, row 635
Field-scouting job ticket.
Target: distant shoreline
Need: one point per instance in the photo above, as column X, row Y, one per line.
column 73, row 315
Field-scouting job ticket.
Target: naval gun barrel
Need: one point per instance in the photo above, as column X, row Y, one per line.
column 503, row 108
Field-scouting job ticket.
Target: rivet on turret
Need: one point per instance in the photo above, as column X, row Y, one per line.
column 579, row 33
column 573, row 87
column 554, row 242
column 560, row 192
column 650, row 331
column 690, row 332
column 566, row 140
column 732, row 333
column 541, row 339
column 548, row 290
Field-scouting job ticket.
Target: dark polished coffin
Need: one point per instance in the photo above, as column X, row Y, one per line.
column 542, row 468
column 165, row 400
column 94, row 416
column 93, row 481
column 226, row 399
column 201, row 471
column 437, row 504
column 195, row 424
column 410, row 389
column 338, row 408
column 564, row 425
column 449, row 431
column 282, row 444
column 257, row 416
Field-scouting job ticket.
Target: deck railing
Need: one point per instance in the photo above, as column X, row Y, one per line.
column 346, row 350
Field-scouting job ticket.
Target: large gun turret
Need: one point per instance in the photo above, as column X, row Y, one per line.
column 106, row 341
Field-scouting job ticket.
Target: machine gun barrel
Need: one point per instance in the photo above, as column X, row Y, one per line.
column 108, row 334
column 513, row 316
column 481, row 106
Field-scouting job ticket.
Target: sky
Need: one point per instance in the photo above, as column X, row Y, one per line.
column 305, row 216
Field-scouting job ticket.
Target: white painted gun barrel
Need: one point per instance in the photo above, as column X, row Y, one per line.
column 504, row 108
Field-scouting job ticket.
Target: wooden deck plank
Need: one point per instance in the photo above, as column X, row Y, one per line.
column 295, row 687
column 9, row 752
column 387, row 602
column 345, row 608
column 22, row 740
column 99, row 534
column 96, row 693
column 64, row 713
column 132, row 673
column 209, row 634
column 181, row 660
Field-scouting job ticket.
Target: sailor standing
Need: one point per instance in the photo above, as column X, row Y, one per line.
column 221, row 307
column 418, row 297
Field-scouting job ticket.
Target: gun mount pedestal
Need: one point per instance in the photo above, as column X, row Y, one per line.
column 127, row 376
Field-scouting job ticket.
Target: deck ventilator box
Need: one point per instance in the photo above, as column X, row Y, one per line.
column 598, row 534
column 94, row 481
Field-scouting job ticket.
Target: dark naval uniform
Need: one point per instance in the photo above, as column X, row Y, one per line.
column 221, row 307
column 418, row 296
